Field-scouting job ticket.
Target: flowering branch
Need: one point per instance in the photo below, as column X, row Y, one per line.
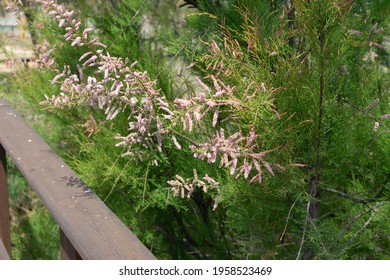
column 374, row 30
column 236, row 152
column 116, row 87
column 185, row 187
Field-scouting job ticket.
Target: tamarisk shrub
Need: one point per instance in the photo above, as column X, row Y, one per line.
column 300, row 89
column 116, row 87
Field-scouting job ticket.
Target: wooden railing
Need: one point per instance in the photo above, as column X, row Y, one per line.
column 88, row 228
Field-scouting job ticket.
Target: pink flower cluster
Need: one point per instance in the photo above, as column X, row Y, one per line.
column 43, row 52
column 195, row 109
column 236, row 152
column 185, row 187
column 66, row 19
column 116, row 87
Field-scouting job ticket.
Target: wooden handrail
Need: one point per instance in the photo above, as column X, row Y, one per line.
column 5, row 234
column 89, row 229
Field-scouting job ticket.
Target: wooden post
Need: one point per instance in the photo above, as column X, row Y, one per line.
column 67, row 251
column 5, row 234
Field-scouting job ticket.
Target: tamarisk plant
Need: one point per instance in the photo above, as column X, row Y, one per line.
column 116, row 87
column 298, row 87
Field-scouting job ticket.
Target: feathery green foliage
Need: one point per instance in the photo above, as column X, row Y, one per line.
column 310, row 78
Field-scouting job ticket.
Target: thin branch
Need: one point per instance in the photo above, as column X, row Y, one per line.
column 345, row 195
column 362, row 229
column 145, row 183
column 365, row 113
column 184, row 137
column 322, row 242
column 367, row 241
column 170, row 61
column 360, row 200
column 354, row 219
column 122, row 31
column 357, row 217
column 116, row 180
column 304, row 229
column 288, row 217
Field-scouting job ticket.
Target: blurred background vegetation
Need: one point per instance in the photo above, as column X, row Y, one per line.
column 281, row 45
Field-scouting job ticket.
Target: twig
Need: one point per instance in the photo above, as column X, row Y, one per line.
column 360, row 200
column 304, row 229
column 116, row 181
column 145, row 183
column 357, row 217
column 342, row 194
column 365, row 113
column 288, row 217
column 315, row 228
column 362, row 229
column 170, row 61
column 184, row 137
column 125, row 27
column 354, row 219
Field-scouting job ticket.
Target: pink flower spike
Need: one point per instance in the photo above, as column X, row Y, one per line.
column 216, row 202
column 52, row 13
column 215, row 118
column 68, row 14
column 377, row 45
column 263, row 89
column 203, row 85
column 176, row 143
column 376, row 125
column 266, row 164
column 298, row 164
column 378, row 31
column 277, row 165
column 86, row 31
column 56, row 78
column 100, row 45
column 355, row 32
column 189, row 122
column 234, row 165
column 61, row 23
column 76, row 42
column 387, row 116
column 84, row 55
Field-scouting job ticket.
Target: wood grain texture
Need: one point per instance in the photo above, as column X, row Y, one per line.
column 67, row 251
column 91, row 227
column 3, row 252
column 5, row 235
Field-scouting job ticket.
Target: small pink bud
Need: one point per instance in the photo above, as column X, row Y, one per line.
column 61, row 23
column 376, row 125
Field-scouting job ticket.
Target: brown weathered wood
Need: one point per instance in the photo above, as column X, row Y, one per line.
column 5, row 235
column 67, row 251
column 3, row 252
column 93, row 229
